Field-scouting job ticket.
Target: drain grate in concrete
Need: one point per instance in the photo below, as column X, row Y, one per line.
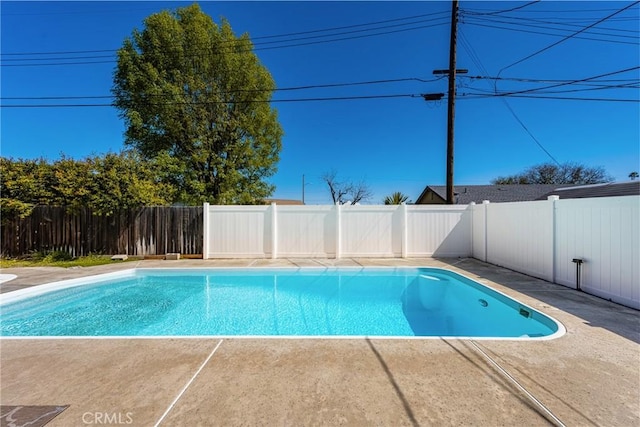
column 32, row 416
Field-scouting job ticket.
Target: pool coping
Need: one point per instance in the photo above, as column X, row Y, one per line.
column 22, row 294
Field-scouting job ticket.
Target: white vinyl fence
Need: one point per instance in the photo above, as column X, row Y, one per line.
column 540, row 238
column 336, row 231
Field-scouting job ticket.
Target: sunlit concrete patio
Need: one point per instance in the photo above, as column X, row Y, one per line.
column 590, row 376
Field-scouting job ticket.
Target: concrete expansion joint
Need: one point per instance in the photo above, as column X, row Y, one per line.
column 515, row 382
column 319, row 262
column 461, row 260
column 186, row 386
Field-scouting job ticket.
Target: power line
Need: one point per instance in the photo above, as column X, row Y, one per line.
column 491, row 94
column 58, row 63
column 261, row 101
column 344, row 98
column 526, row 129
column 546, row 25
column 634, row 85
column 237, row 51
column 505, row 10
column 626, row 70
column 76, row 12
column 565, row 98
column 549, row 34
column 253, row 38
column 56, row 59
column 348, row 32
column 572, row 11
column 476, row 59
column 510, row 20
column 293, row 88
column 354, row 37
column 541, row 51
column 347, row 98
column 67, row 52
column 483, row 22
column 530, row 80
column 352, row 26
column 568, row 37
column 620, row 83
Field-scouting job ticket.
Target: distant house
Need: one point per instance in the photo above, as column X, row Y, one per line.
column 465, row 194
column 609, row 189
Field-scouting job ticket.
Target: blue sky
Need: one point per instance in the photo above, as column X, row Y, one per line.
column 392, row 144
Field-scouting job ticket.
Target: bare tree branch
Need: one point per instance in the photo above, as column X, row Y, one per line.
column 360, row 193
column 343, row 192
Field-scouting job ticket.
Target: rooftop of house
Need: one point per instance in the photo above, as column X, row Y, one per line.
column 465, row 194
column 609, row 189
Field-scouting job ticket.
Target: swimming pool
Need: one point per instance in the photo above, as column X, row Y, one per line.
column 318, row 302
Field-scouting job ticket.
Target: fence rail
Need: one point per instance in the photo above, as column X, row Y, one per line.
column 143, row 231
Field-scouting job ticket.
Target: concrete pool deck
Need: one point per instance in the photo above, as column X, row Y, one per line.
column 590, row 376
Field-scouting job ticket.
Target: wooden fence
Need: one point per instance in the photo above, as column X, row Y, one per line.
column 143, row 231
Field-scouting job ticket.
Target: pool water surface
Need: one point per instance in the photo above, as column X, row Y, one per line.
column 325, row 302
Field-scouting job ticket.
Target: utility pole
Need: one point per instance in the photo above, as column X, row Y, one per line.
column 452, row 98
column 303, row 189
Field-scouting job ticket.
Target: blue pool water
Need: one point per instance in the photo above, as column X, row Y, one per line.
column 277, row 302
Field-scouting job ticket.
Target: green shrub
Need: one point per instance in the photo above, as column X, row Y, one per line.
column 11, row 209
column 56, row 256
column 50, row 256
column 36, row 255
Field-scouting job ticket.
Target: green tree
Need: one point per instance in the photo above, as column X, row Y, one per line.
column 196, row 97
column 396, row 198
column 124, row 181
column 26, row 180
column 23, row 184
column 549, row 173
column 103, row 183
column 71, row 184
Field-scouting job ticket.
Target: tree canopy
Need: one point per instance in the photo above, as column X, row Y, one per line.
column 103, row 183
column 549, row 173
column 195, row 97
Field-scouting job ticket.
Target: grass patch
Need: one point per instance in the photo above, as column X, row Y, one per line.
column 59, row 259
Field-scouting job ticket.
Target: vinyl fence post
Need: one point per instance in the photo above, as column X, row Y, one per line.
column 485, row 232
column 405, row 230
column 554, row 236
column 338, row 232
column 274, row 231
column 472, row 206
column 205, row 230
